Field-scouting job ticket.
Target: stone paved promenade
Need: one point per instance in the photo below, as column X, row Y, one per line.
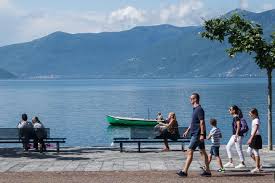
column 110, row 159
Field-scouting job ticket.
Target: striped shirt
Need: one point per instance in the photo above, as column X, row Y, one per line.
column 216, row 135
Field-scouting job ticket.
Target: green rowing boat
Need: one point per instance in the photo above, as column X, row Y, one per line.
column 123, row 121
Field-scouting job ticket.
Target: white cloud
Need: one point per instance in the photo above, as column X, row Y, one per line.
column 187, row 12
column 21, row 25
column 128, row 13
column 244, row 4
column 267, row 6
column 5, row 4
column 126, row 17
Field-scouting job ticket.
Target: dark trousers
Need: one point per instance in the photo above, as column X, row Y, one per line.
column 37, row 140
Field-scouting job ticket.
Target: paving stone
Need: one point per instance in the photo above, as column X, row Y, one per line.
column 75, row 159
column 94, row 166
column 107, row 166
column 72, row 166
column 7, row 166
column 158, row 165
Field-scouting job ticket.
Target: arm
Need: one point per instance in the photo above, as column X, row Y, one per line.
column 186, row 132
column 202, row 127
column 162, row 124
column 209, row 136
column 238, row 123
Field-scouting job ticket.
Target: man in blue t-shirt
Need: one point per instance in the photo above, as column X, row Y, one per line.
column 198, row 134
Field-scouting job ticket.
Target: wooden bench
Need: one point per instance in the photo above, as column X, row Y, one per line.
column 140, row 136
column 12, row 136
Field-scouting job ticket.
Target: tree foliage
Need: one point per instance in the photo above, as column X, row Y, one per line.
column 243, row 36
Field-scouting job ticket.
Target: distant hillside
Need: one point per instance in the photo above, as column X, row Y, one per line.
column 6, row 75
column 162, row 51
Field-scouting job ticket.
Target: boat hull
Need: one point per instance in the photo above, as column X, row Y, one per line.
column 120, row 121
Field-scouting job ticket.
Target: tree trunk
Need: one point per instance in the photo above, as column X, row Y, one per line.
column 269, row 113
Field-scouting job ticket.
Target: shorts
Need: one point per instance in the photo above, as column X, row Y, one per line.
column 256, row 142
column 215, row 151
column 252, row 151
column 195, row 142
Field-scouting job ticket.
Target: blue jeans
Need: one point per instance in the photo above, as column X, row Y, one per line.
column 196, row 142
column 215, row 151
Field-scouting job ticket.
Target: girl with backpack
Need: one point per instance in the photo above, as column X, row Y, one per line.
column 255, row 140
column 239, row 127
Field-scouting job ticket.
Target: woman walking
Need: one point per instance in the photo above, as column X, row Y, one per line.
column 255, row 140
column 236, row 138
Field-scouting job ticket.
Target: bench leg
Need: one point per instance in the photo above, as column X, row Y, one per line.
column 138, row 146
column 57, row 147
column 121, row 146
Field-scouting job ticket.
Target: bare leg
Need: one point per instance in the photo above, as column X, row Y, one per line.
column 166, row 144
column 209, row 158
column 219, row 161
column 257, row 158
column 189, row 159
column 205, row 157
column 253, row 157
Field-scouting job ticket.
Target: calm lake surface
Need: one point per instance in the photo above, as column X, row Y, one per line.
column 76, row 109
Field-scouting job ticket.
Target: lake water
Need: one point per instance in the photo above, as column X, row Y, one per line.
column 76, row 109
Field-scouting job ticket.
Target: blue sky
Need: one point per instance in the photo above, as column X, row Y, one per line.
column 25, row 20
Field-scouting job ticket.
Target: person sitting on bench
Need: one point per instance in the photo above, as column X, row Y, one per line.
column 169, row 130
column 40, row 134
column 25, row 131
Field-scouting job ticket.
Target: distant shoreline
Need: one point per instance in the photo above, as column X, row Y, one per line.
column 94, row 78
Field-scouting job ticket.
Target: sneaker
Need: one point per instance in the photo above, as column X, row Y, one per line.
column 206, row 174
column 255, row 170
column 240, row 166
column 203, row 168
column 182, row 174
column 222, row 170
column 229, row 165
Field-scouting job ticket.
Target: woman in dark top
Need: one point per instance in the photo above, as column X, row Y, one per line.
column 170, row 131
column 236, row 138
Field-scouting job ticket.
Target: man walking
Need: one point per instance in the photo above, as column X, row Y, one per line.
column 198, row 134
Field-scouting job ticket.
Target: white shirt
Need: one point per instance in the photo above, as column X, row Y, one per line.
column 38, row 125
column 254, row 124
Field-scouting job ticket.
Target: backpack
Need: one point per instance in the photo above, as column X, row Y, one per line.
column 244, row 127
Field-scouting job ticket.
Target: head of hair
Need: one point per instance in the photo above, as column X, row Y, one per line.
column 213, row 122
column 24, row 117
column 36, row 119
column 237, row 110
column 159, row 113
column 254, row 111
column 173, row 115
column 197, row 96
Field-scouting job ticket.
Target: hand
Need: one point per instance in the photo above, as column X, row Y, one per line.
column 249, row 141
column 201, row 138
column 235, row 139
column 185, row 134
